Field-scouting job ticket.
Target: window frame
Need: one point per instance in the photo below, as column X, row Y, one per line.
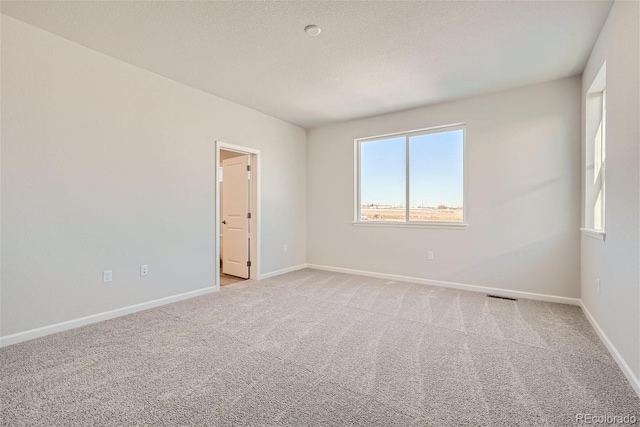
column 602, row 172
column 406, row 223
column 590, row 178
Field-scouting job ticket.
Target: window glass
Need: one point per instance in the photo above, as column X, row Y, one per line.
column 435, row 177
column 382, row 180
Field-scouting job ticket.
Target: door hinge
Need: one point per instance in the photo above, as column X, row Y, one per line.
column 249, row 215
column 248, row 263
column 248, row 168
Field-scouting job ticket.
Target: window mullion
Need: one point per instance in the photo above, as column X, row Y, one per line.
column 406, row 204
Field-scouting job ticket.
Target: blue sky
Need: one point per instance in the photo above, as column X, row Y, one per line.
column 435, row 170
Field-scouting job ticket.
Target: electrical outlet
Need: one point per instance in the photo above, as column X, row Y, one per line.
column 144, row 270
column 286, row 249
column 107, row 276
column 430, row 255
column 598, row 284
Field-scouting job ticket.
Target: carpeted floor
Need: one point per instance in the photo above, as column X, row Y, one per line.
column 314, row 348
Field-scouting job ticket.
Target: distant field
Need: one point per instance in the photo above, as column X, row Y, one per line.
column 443, row 215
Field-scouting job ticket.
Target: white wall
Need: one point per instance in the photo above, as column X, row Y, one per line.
column 107, row 166
column 523, row 195
column 616, row 261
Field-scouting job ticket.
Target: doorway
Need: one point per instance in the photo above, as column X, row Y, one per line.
column 237, row 214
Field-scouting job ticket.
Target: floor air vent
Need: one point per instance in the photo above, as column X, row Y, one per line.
column 501, row 297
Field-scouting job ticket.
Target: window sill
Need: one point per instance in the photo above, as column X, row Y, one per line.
column 596, row 234
column 440, row 225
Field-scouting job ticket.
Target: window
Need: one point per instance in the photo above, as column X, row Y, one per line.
column 411, row 178
column 595, row 155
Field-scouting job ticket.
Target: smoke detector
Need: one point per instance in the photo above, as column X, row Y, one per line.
column 312, row 30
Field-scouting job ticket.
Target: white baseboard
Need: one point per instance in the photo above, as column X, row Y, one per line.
column 82, row 321
column 283, row 271
column 624, row 367
column 473, row 288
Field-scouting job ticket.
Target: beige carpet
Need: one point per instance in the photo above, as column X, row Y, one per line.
column 313, row 348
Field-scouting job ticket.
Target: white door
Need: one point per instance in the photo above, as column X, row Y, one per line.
column 235, row 222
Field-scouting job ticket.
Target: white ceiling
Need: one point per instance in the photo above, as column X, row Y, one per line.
column 372, row 57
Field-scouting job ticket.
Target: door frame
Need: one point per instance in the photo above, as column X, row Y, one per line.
column 254, row 207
